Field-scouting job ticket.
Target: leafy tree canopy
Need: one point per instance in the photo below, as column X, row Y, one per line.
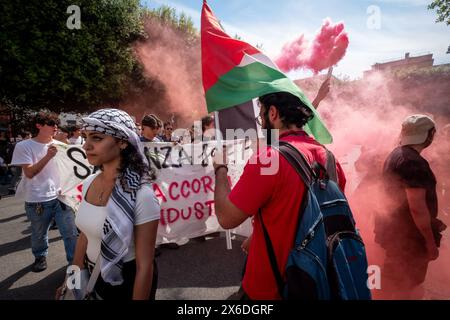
column 442, row 8
column 45, row 64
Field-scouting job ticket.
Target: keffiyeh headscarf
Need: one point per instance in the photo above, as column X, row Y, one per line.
column 119, row 222
column 116, row 123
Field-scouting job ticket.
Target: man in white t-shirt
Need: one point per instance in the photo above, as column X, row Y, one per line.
column 41, row 189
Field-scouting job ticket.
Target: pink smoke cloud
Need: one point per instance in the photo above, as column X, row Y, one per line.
column 293, row 55
column 327, row 49
column 172, row 67
column 365, row 118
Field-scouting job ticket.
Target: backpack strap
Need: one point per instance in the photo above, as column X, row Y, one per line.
column 330, row 166
column 303, row 168
column 272, row 258
column 298, row 161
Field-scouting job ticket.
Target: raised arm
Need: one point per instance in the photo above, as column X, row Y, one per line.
column 323, row 92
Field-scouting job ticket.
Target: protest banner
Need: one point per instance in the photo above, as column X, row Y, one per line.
column 73, row 168
column 184, row 183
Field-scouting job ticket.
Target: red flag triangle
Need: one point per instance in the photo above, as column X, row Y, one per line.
column 220, row 52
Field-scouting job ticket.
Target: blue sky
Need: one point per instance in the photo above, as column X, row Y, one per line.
column 403, row 26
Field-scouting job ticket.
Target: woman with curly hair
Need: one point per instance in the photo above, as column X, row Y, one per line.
column 119, row 213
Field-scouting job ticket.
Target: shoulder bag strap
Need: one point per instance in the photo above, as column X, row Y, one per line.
column 330, row 166
column 272, row 258
column 93, row 278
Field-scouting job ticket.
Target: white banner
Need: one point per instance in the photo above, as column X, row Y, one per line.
column 73, row 168
column 184, row 185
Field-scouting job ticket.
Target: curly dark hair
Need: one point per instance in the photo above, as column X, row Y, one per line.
column 132, row 159
column 292, row 110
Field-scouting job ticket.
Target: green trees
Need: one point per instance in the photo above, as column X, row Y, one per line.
column 442, row 8
column 46, row 64
column 50, row 58
column 168, row 16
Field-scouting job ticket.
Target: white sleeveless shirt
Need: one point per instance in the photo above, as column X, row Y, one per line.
column 90, row 218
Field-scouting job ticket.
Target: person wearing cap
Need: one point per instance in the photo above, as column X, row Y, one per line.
column 119, row 214
column 151, row 125
column 410, row 230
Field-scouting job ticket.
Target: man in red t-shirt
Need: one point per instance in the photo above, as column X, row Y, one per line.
column 278, row 195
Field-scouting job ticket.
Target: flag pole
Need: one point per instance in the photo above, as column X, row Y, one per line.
column 219, row 145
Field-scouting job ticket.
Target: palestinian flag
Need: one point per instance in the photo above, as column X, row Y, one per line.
column 234, row 72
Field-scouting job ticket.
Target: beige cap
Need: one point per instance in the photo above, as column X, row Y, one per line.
column 415, row 129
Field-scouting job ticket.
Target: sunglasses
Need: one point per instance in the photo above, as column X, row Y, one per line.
column 51, row 123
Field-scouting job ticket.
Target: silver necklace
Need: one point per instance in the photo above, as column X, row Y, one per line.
column 100, row 197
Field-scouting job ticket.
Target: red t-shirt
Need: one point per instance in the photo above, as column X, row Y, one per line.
column 278, row 196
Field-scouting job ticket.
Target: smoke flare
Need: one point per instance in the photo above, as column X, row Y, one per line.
column 326, row 50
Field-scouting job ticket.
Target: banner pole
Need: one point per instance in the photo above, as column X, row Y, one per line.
column 219, row 145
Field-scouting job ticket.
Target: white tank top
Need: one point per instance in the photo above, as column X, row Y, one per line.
column 90, row 219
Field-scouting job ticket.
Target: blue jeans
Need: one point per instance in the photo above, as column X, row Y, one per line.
column 41, row 215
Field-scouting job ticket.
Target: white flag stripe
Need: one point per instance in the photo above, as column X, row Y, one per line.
column 259, row 57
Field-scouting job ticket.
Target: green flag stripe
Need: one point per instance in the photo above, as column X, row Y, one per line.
column 242, row 84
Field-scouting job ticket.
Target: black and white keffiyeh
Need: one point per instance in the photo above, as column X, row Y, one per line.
column 116, row 123
column 119, row 222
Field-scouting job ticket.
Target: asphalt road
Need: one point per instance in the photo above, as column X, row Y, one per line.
column 197, row 270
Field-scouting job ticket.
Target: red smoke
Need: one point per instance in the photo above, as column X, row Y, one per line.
column 294, row 55
column 365, row 118
column 172, row 67
column 327, row 49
